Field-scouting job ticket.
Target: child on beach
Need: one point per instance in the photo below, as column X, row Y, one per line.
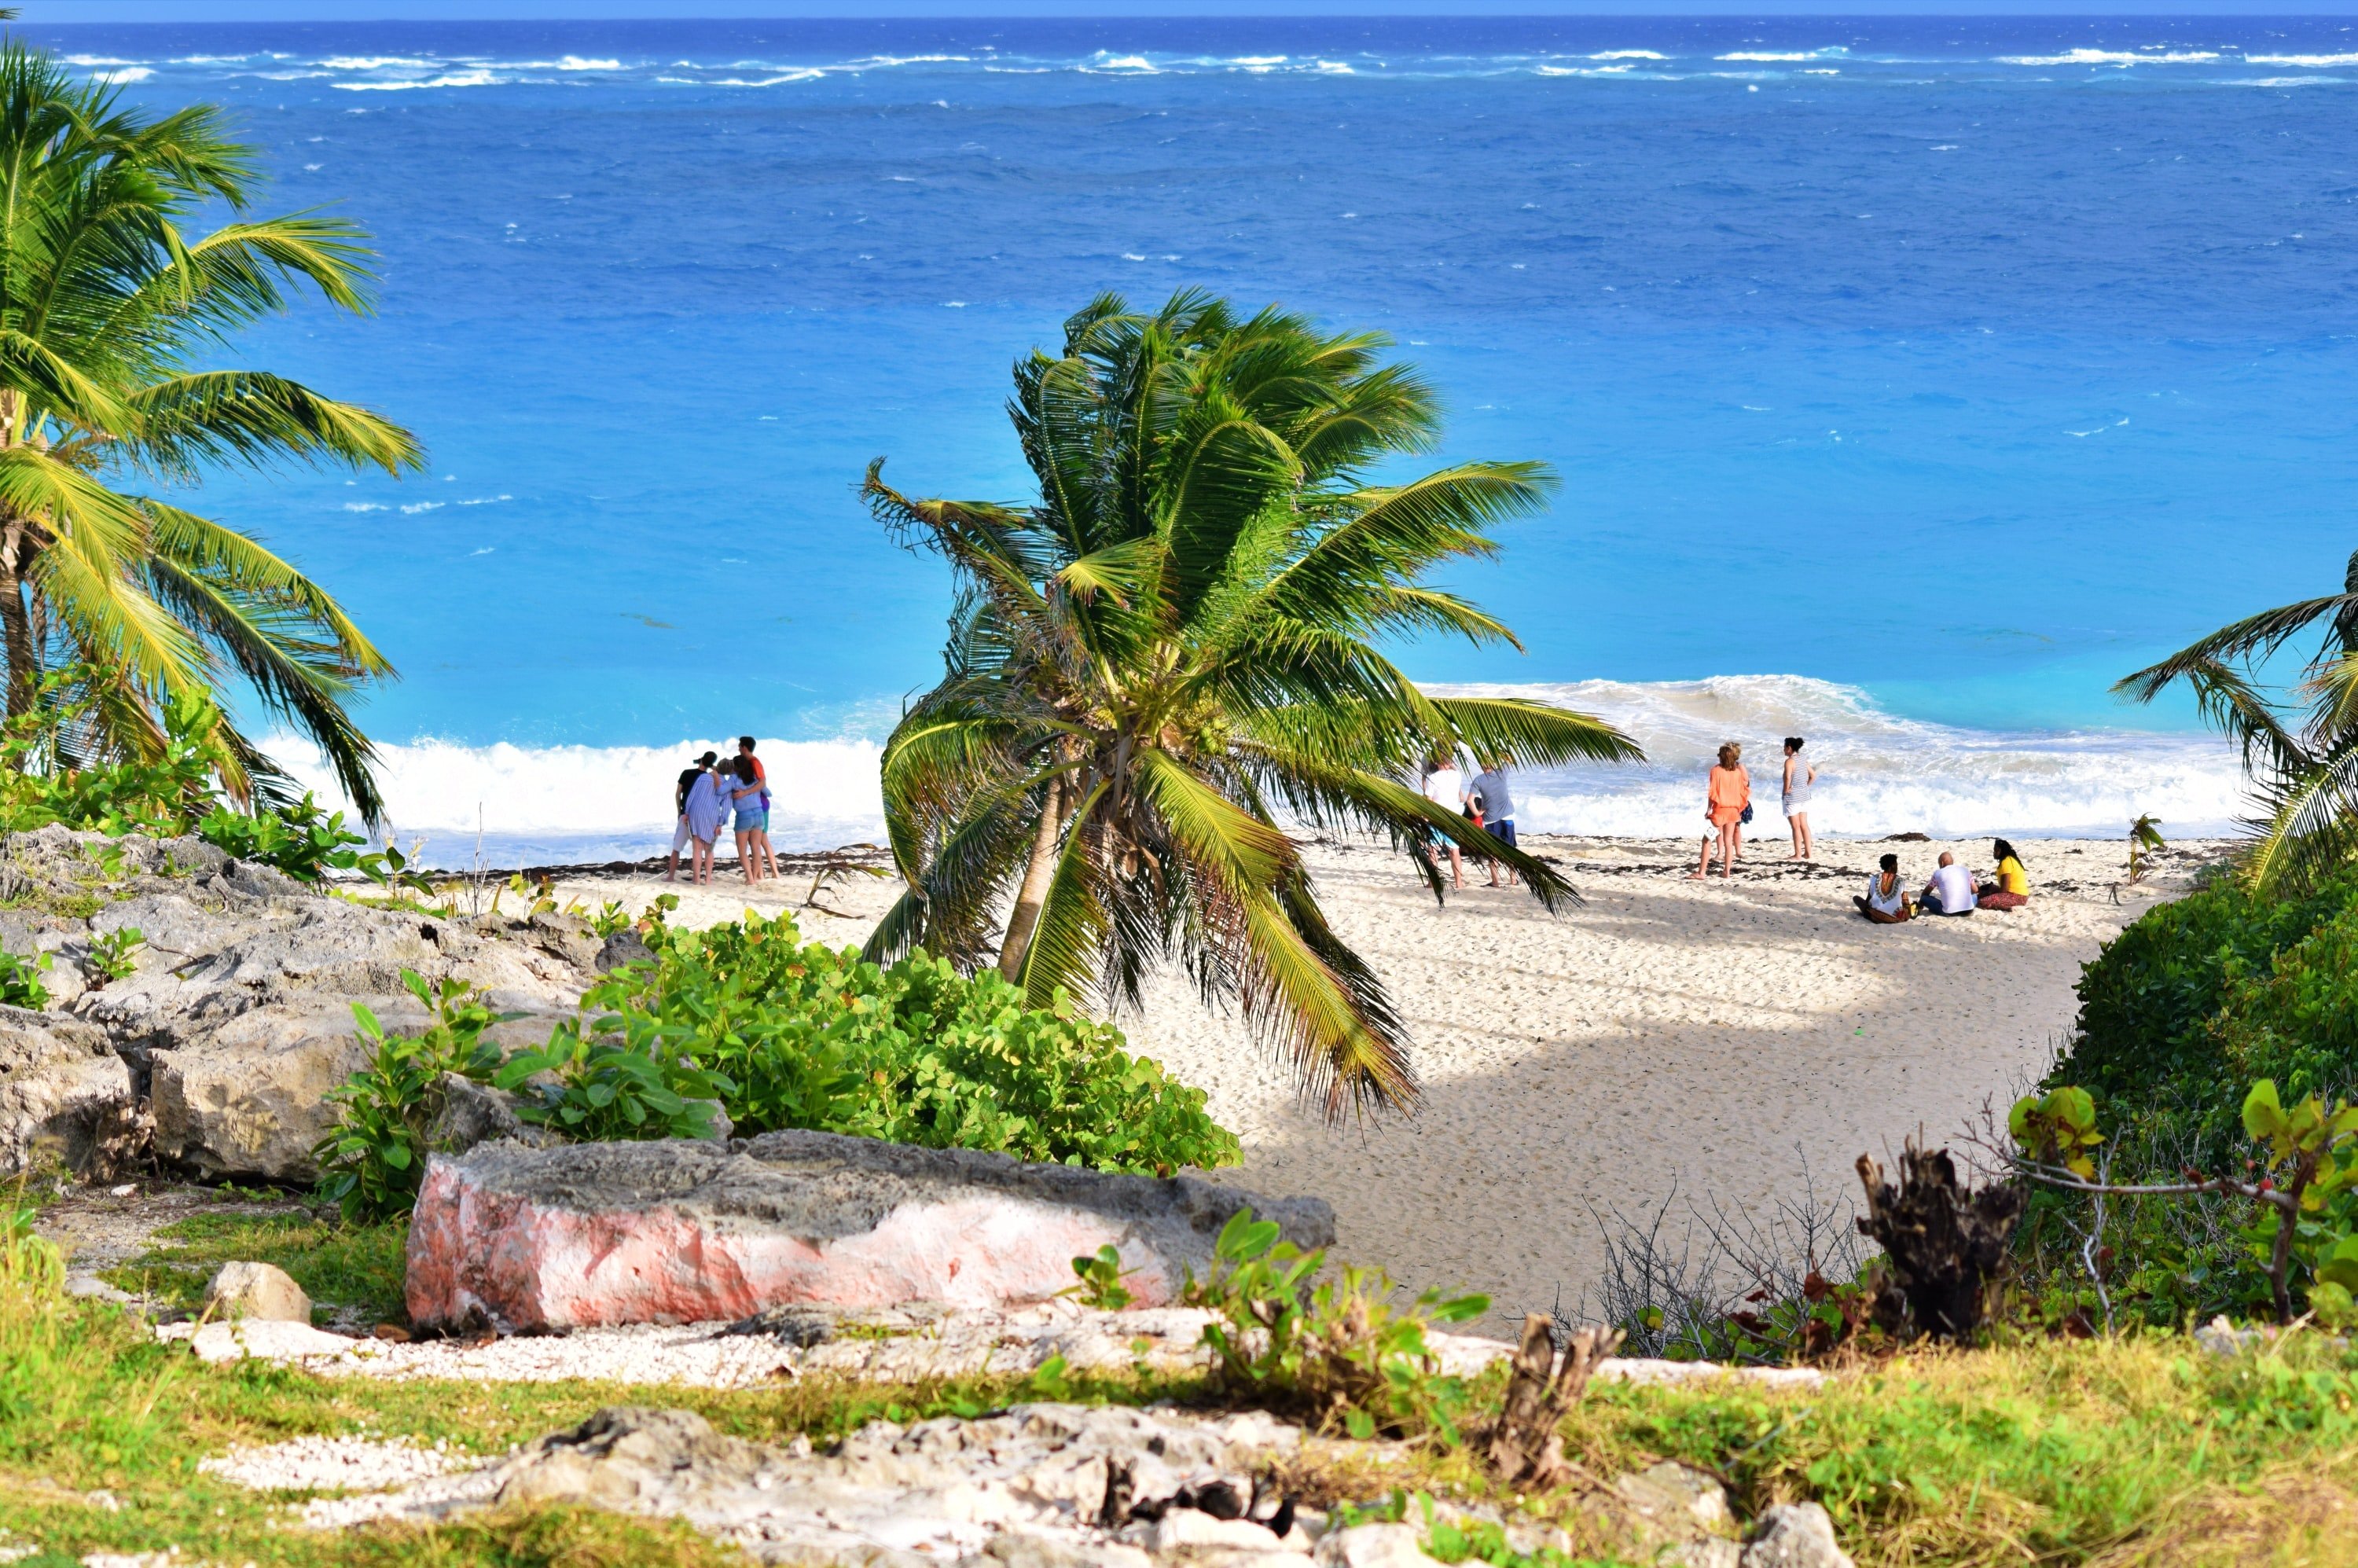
column 1799, row 776
column 1727, row 802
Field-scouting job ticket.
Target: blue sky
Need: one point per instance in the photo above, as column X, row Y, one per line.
column 57, row 10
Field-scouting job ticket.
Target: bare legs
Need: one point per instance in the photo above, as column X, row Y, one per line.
column 745, row 856
column 1804, row 847
column 763, row 853
column 1729, row 837
column 700, row 864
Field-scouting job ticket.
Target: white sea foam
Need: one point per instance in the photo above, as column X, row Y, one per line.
column 372, row 62
column 769, row 80
column 1878, row 773
column 2308, row 59
column 1627, row 54
column 455, row 79
column 87, row 59
column 2109, row 57
column 1138, row 62
column 1764, row 57
column 550, row 804
column 126, row 73
column 574, row 62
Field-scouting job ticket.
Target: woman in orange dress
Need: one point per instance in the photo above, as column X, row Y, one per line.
column 1730, row 797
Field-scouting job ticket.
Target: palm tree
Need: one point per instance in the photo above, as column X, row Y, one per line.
column 1174, row 644
column 107, row 309
column 2302, row 758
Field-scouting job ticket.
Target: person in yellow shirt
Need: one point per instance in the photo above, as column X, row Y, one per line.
column 2009, row 885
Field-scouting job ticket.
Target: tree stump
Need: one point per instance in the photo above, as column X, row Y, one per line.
column 1523, row 1445
column 1946, row 1245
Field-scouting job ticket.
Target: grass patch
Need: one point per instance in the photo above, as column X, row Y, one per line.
column 336, row 1264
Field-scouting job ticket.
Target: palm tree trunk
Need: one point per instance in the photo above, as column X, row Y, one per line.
column 1025, row 916
column 17, row 626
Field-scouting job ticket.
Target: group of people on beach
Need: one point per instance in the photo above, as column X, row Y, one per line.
column 1483, row 797
column 709, row 796
column 1953, row 889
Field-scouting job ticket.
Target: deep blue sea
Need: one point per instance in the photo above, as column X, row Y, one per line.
column 1910, row 380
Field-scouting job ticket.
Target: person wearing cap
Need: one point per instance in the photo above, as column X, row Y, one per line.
column 682, row 834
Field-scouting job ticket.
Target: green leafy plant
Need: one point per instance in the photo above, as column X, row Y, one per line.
column 2144, row 837
column 609, row 919
column 2058, row 1128
column 1337, row 1352
column 1100, row 1281
column 371, row 1163
column 115, row 954
column 809, row 1036
column 20, row 980
column 620, row 1076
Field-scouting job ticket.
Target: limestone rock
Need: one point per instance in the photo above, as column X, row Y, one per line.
column 1028, row 1489
column 1374, row 1546
column 1710, row 1551
column 474, row 1114
column 622, row 947
column 684, row 1231
column 60, row 1083
column 1795, row 1535
column 258, row 1293
column 1678, row 1499
column 264, row 1339
column 252, row 1101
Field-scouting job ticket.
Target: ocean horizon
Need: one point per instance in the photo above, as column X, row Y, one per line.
column 1910, row 380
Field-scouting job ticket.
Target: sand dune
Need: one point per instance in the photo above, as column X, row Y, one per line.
column 1668, row 1041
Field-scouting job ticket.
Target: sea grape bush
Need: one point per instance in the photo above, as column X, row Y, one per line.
column 776, row 1034
column 808, row 1036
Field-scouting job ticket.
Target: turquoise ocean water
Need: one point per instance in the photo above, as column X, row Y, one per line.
column 1910, row 381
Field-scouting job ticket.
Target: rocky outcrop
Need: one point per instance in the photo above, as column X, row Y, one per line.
column 236, row 1019
column 598, row 1234
column 1041, row 1485
column 61, row 1086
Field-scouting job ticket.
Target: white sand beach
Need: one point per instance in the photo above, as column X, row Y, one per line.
column 1668, row 1041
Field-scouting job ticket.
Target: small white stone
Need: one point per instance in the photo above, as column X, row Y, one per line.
column 257, row 1290
column 1190, row 1530
column 1374, row 1546
column 266, row 1340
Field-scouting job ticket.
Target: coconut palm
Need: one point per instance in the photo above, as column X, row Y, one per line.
column 1172, row 647
column 109, row 310
column 2301, row 755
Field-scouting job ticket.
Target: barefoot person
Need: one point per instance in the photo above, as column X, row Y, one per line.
column 1495, row 798
column 1727, row 802
column 706, row 810
column 1799, row 777
column 745, row 791
column 1885, row 902
column 1444, row 785
column 2009, row 884
column 761, row 840
column 1951, row 890
column 680, row 836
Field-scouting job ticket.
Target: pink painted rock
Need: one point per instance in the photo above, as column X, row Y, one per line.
column 588, row 1234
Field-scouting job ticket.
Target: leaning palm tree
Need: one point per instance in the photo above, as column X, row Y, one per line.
column 1172, row 648
column 2301, row 755
column 109, row 308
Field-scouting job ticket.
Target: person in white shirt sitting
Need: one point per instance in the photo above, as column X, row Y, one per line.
column 1951, row 890
column 1886, row 903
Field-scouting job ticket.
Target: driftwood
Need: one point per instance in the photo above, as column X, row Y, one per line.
column 1946, row 1245
column 1523, row 1445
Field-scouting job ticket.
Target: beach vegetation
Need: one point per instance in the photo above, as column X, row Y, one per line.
column 1175, row 642
column 2299, row 740
column 20, row 980
column 913, row 1052
column 114, row 310
column 372, row 1162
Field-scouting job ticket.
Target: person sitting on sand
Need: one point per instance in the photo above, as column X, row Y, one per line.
column 1727, row 801
column 1887, row 902
column 680, row 836
column 707, row 810
column 1951, row 890
column 2009, row 887
column 1800, row 778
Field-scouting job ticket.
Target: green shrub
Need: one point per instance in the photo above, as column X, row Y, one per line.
column 811, row 1037
column 622, row 1075
column 2145, row 1001
column 20, row 980
column 371, row 1163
